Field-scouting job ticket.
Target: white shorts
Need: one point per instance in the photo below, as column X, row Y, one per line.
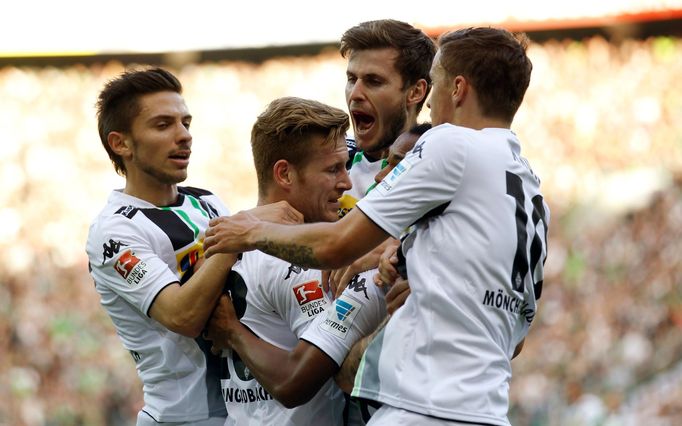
column 144, row 419
column 392, row 416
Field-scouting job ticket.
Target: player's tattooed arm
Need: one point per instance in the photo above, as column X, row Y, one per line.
column 294, row 253
column 317, row 245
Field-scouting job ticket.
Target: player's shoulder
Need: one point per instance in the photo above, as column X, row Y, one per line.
column 443, row 140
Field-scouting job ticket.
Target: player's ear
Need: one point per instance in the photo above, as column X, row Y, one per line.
column 119, row 143
column 417, row 92
column 283, row 174
column 460, row 89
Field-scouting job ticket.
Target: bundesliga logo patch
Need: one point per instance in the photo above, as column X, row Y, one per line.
column 130, row 267
column 340, row 319
column 310, row 297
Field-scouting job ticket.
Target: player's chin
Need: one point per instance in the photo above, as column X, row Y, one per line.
column 180, row 175
column 332, row 213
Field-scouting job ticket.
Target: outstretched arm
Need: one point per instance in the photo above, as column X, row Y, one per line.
column 292, row 378
column 318, row 245
column 185, row 309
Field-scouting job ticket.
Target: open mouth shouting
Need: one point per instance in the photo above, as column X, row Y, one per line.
column 362, row 123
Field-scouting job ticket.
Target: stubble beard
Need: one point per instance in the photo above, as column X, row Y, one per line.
column 396, row 127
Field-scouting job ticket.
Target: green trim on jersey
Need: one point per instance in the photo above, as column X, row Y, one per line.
column 357, row 157
column 197, row 205
column 185, row 218
column 384, row 163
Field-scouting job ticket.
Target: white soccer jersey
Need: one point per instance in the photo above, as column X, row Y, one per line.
column 277, row 301
column 136, row 249
column 474, row 262
column 361, row 174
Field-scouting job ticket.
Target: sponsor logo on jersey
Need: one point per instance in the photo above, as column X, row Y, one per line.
column 109, row 250
column 509, row 303
column 347, row 203
column 130, row 267
column 340, row 319
column 244, row 396
column 394, row 177
column 127, row 211
column 418, row 148
column 187, row 259
column 310, row 297
column 357, row 284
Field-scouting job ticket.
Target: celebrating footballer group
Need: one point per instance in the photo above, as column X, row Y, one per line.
column 364, row 286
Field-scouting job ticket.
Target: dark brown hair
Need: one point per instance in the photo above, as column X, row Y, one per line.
column 495, row 63
column 117, row 103
column 415, row 49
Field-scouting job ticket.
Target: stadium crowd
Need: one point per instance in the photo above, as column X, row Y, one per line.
column 600, row 124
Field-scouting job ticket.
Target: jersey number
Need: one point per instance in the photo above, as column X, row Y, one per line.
column 521, row 264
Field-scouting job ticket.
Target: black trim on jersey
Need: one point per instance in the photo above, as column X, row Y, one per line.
column 401, row 266
column 177, row 231
column 214, row 393
column 198, row 193
column 157, row 295
column 364, row 404
column 194, row 192
column 150, row 416
column 436, row 211
column 127, row 211
column 320, row 349
column 352, row 150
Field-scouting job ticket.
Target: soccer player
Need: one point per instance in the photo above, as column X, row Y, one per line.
column 144, row 244
column 387, row 85
column 474, row 260
column 292, row 376
column 300, row 154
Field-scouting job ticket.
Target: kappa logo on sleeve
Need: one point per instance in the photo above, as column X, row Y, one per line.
column 130, row 267
column 340, row 319
column 310, row 297
column 109, row 250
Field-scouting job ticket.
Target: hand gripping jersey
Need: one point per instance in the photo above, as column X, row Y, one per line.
column 475, row 265
column 136, row 249
column 361, row 172
column 277, row 301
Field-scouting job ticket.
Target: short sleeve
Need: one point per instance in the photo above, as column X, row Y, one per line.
column 353, row 315
column 426, row 178
column 122, row 259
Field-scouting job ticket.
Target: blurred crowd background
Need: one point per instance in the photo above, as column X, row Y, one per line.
column 601, row 125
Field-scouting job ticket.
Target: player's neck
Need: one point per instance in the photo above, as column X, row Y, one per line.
column 157, row 194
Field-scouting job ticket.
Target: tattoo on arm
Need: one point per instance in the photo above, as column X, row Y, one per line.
column 296, row 254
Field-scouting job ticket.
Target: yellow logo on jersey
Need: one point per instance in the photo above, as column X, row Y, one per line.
column 347, row 203
column 186, row 259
